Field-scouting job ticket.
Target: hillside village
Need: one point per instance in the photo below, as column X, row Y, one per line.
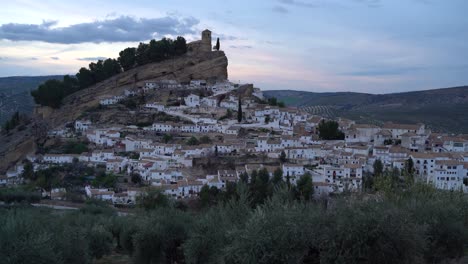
column 214, row 132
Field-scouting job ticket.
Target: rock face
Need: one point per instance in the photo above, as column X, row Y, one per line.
column 210, row 66
column 203, row 65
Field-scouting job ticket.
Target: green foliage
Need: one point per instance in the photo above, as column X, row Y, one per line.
column 136, row 178
column 130, row 103
column 127, row 58
column 217, row 44
column 160, row 50
column 144, row 124
column 48, row 178
column 328, row 130
column 283, row 157
column 31, row 235
column 75, row 147
column 205, row 140
column 167, row 138
column 277, row 178
column 409, row 166
column 52, row 92
column 100, row 241
column 19, row 195
column 152, row 199
column 193, row 141
column 378, row 167
column 104, row 180
column 14, row 121
column 97, row 207
column 274, row 102
column 239, row 111
column 305, row 187
column 416, row 224
column 160, row 236
column 388, row 142
column 28, row 172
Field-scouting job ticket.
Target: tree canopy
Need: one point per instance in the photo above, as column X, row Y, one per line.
column 52, row 92
column 329, row 130
column 417, row 224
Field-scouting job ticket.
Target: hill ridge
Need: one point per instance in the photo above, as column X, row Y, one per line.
column 442, row 109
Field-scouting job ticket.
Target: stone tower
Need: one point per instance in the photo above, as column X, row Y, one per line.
column 206, row 41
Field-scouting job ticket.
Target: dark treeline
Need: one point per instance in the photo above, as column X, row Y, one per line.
column 414, row 225
column 52, row 92
column 17, row 120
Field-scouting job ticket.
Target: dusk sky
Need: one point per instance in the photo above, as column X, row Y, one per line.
column 374, row 46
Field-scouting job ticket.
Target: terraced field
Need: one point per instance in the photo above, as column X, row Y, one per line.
column 321, row 110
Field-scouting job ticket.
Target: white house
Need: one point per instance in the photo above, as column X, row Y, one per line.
column 192, row 100
column 82, row 125
column 399, row 129
column 59, row 158
column 450, row 175
column 294, row 171
column 111, row 100
column 158, row 106
column 209, row 101
column 100, row 194
column 197, row 83
column 150, row 86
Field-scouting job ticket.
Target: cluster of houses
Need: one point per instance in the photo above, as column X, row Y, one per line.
column 267, row 133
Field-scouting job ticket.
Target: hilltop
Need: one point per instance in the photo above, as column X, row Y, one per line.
column 199, row 63
column 443, row 110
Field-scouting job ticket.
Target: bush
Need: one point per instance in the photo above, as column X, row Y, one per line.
column 17, row 195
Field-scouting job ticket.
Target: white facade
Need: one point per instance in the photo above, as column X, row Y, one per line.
column 82, row 125
column 192, row 100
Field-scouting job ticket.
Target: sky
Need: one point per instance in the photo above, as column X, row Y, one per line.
column 372, row 46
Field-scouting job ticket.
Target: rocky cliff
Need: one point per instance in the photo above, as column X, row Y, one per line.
column 210, row 66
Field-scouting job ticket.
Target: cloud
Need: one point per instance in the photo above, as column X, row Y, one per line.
column 280, row 9
column 384, row 71
column 32, row 58
column 298, row 3
column 224, row 37
column 91, row 58
column 370, row 3
column 241, row 47
column 55, row 58
column 120, row 29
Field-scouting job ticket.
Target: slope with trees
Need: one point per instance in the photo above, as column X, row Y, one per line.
column 52, row 92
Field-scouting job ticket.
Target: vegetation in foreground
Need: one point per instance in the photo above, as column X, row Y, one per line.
column 417, row 224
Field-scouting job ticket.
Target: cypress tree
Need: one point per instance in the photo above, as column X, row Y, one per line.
column 217, row 44
column 239, row 111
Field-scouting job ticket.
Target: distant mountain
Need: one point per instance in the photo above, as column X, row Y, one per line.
column 444, row 110
column 15, row 94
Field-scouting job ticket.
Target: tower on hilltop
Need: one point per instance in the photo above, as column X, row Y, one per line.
column 206, row 40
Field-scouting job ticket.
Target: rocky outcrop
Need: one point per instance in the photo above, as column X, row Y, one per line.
column 210, row 66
